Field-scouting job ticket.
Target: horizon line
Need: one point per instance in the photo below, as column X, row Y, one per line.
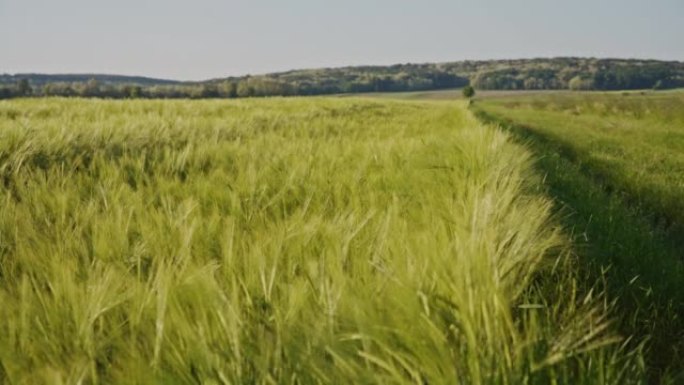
column 343, row 66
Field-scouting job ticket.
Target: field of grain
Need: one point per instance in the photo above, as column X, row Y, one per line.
column 614, row 162
column 452, row 94
column 289, row 241
column 634, row 141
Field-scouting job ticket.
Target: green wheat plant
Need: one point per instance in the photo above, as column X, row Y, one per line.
column 285, row 241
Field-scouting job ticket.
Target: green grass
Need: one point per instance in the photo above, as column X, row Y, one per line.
column 448, row 94
column 285, row 241
column 614, row 162
column 635, row 142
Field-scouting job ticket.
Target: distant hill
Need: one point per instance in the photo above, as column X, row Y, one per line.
column 520, row 74
column 42, row 79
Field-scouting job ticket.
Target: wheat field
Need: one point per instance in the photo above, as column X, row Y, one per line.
column 285, row 241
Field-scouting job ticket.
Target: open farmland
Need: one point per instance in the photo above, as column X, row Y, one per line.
column 615, row 163
column 290, row 241
column 634, row 141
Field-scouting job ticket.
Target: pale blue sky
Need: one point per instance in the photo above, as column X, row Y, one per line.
column 199, row 39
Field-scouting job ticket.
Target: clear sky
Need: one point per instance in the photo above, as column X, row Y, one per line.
column 200, row 39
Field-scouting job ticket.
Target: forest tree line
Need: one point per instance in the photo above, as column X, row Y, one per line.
column 252, row 86
column 527, row 74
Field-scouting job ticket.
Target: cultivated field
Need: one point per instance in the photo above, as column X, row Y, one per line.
column 615, row 161
column 452, row 94
column 636, row 141
column 286, row 241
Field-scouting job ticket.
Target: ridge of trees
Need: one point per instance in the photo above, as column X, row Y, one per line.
column 520, row 74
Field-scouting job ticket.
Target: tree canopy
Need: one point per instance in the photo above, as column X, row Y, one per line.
column 523, row 74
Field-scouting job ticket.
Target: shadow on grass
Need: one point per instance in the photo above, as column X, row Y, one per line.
column 616, row 241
